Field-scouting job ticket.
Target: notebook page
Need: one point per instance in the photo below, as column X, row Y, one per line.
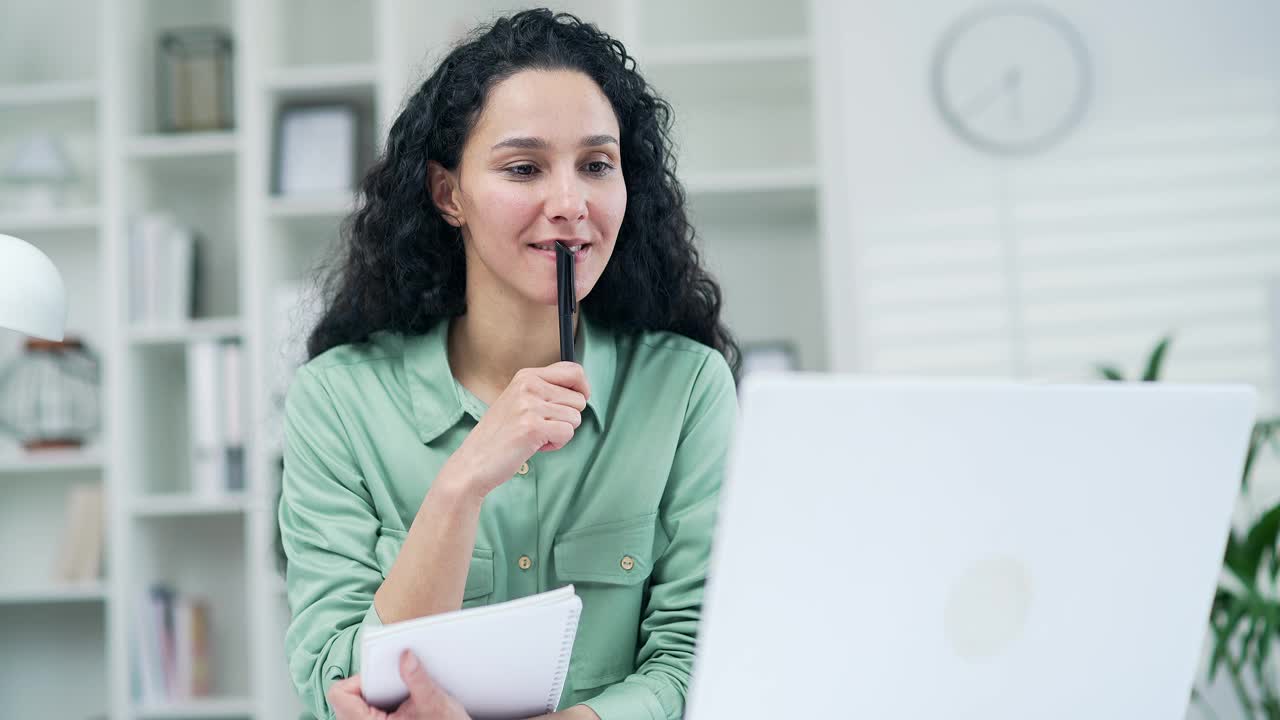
column 500, row 661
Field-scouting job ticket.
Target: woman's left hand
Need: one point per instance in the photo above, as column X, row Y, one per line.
column 427, row 700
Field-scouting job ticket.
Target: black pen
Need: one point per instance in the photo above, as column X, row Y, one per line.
column 566, row 299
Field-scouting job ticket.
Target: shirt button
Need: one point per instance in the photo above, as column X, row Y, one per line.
column 525, row 562
column 524, row 469
column 627, row 562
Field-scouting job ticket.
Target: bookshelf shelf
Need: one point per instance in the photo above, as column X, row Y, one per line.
column 79, row 218
column 201, row 329
column 182, row 505
column 317, row 206
column 53, row 594
column 198, row 708
column 37, row 94
column 183, row 145
column 22, row 462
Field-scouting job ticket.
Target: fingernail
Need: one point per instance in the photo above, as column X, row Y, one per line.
column 409, row 660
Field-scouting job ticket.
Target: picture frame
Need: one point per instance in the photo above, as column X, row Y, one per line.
column 317, row 148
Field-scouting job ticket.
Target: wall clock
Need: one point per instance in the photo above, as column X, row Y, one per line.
column 1011, row 79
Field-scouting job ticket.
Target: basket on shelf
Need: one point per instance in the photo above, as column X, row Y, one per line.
column 49, row 395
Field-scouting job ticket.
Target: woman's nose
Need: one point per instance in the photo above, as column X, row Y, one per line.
column 567, row 200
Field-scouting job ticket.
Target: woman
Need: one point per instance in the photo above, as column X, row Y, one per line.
column 439, row 455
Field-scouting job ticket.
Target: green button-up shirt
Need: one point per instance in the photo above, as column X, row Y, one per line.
column 624, row 512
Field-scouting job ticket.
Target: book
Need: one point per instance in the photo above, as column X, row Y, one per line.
column 170, row 650
column 72, row 535
column 183, row 647
column 499, row 661
column 162, row 265
column 205, row 405
column 191, row 647
column 146, row 652
column 215, row 392
column 80, row 549
column 162, row 617
column 89, row 558
column 201, row 652
column 233, row 415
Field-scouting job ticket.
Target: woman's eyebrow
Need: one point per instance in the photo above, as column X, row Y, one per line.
column 537, row 143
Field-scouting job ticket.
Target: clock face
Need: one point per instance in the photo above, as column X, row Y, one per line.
column 1011, row 79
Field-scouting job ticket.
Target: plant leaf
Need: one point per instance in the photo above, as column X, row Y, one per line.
column 1157, row 359
column 1110, row 372
column 1265, row 641
column 1234, row 559
column 1251, row 455
column 1254, row 624
column 1223, row 634
column 1245, row 558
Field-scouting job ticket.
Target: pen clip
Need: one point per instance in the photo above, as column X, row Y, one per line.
column 566, row 294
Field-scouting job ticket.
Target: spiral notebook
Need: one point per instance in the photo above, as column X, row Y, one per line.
column 501, row 661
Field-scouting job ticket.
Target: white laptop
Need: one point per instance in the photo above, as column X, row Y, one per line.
column 923, row 549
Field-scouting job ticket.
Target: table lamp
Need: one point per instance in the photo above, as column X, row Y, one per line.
column 33, row 299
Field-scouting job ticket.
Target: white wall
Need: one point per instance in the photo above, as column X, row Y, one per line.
column 1182, row 119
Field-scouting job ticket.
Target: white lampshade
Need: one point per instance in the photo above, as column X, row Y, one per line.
column 33, row 299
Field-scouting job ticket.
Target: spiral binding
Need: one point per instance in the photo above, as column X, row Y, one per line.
column 562, row 664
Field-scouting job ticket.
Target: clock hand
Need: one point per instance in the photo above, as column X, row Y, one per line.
column 984, row 100
column 1013, row 81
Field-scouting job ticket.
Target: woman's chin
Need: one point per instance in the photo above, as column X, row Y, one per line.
column 547, row 295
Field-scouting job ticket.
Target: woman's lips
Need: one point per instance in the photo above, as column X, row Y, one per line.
column 583, row 252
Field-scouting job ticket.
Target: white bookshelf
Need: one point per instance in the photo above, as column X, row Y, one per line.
column 81, row 218
column 182, row 146
column 53, row 593
column 200, row 329
column 220, row 708
column 47, row 94
column 36, row 464
column 319, row 206
column 738, row 79
column 162, row 505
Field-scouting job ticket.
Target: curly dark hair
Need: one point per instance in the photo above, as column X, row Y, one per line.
column 402, row 267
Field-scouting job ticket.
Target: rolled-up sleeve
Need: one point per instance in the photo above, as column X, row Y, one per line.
column 328, row 528
column 668, row 630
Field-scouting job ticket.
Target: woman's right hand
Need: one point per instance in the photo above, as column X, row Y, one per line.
column 538, row 411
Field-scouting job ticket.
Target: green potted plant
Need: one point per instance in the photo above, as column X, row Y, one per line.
column 1245, row 619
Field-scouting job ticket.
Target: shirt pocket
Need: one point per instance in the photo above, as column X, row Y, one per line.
column 479, row 576
column 608, row 565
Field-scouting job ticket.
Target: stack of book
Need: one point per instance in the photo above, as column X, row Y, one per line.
column 171, row 649
column 215, row 378
column 162, row 270
column 80, row 551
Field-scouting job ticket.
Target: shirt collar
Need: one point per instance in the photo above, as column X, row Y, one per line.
column 438, row 403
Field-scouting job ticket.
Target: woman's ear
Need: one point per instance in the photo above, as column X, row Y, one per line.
column 442, row 187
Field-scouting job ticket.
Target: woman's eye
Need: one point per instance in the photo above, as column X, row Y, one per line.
column 524, row 170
